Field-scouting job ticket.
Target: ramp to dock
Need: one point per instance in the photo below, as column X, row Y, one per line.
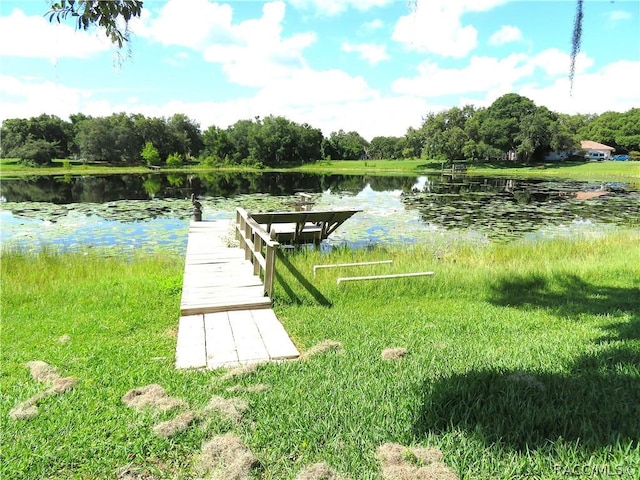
column 226, row 319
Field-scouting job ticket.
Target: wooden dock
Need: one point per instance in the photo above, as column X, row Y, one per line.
column 226, row 319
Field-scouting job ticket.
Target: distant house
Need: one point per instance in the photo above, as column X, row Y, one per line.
column 597, row 148
column 554, row 156
column 591, row 150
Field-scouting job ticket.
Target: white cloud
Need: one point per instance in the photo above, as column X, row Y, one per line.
column 52, row 41
column 372, row 26
column 555, row 62
column 177, row 24
column 613, row 88
column 435, row 26
column 370, row 52
column 177, row 60
column 507, row 34
column 620, row 15
column 484, row 74
column 252, row 52
column 24, row 98
column 481, row 74
column 334, row 7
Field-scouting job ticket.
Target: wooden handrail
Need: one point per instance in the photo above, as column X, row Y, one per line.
column 254, row 240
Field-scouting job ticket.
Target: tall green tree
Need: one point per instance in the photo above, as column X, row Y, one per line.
column 185, row 134
column 112, row 139
column 387, row 147
column 445, row 134
column 343, row 145
column 616, row 129
column 216, row 144
column 413, row 143
column 156, row 131
column 536, row 132
column 239, row 136
column 51, row 129
column 499, row 125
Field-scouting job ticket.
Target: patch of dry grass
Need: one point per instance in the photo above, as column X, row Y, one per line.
column 230, row 408
column 258, row 388
column 225, row 457
column 318, row 471
column 413, row 463
column 45, row 373
column 151, row 396
column 393, row 353
column 42, row 371
column 176, row 425
column 240, row 371
column 320, row 348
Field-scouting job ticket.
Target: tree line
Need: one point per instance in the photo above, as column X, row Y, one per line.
column 511, row 128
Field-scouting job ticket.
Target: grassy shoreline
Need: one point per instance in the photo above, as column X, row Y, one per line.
column 595, row 171
column 522, row 360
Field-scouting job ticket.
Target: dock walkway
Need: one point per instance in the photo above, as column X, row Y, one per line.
column 226, row 320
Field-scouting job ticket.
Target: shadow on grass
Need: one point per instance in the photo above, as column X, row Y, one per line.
column 569, row 295
column 302, row 281
column 596, row 404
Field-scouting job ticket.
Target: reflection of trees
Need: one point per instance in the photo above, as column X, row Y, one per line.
column 108, row 188
column 152, row 185
column 37, row 189
column 498, row 206
column 218, row 184
column 381, row 184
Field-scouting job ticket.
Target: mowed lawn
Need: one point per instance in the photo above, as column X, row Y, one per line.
column 518, row 360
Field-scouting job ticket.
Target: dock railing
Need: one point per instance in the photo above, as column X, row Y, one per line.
column 454, row 167
column 258, row 247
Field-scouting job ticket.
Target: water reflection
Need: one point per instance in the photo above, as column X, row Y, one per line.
column 109, row 188
column 148, row 211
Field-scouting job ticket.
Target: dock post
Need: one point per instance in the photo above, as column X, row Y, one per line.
column 247, row 233
column 257, row 247
column 270, row 264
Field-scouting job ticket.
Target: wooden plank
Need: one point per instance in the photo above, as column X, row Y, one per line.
column 190, row 346
column 274, row 336
column 221, row 346
column 357, row 264
column 196, row 308
column 382, row 277
column 248, row 340
column 223, row 293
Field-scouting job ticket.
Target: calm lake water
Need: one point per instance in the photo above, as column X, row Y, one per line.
column 152, row 212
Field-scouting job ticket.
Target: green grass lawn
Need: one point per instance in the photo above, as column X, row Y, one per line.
column 522, row 359
column 596, row 171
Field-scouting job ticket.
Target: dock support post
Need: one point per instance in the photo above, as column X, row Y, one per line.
column 257, row 248
column 269, row 271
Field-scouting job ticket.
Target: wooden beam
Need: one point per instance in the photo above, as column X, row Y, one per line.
column 381, row 277
column 357, row 264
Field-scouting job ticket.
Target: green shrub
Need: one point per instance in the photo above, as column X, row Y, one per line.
column 150, row 154
column 174, row 160
column 38, row 151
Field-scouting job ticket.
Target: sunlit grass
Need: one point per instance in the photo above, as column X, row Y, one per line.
column 605, row 171
column 596, row 171
column 522, row 360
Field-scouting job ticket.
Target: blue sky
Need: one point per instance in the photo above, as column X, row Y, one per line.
column 373, row 66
